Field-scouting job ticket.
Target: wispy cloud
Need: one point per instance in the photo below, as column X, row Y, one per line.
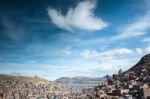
column 115, row 53
column 135, row 29
column 100, row 64
column 12, row 30
column 110, row 53
column 112, row 60
column 146, row 40
column 80, row 18
column 138, row 27
column 66, row 50
column 142, row 51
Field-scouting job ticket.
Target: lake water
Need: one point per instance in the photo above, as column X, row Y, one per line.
column 75, row 84
column 72, row 84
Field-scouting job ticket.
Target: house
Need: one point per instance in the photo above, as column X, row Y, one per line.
column 146, row 93
column 124, row 91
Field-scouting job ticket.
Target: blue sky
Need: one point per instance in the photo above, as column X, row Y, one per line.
column 57, row 38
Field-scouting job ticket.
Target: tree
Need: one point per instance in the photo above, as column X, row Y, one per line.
column 107, row 77
column 114, row 76
column 36, row 76
column 120, row 71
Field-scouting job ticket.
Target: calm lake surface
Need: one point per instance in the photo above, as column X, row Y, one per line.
column 75, row 84
column 72, row 84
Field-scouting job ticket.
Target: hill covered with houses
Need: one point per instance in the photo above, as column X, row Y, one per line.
column 131, row 84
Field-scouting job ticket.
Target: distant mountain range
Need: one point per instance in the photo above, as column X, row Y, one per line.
column 78, row 79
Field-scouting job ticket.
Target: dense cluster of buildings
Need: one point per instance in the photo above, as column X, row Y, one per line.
column 15, row 89
column 28, row 90
column 129, row 86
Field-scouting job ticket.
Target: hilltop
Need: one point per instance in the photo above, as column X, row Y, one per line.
column 23, row 78
column 26, row 79
column 142, row 65
column 141, row 69
column 133, row 83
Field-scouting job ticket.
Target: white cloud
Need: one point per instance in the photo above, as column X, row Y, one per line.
column 88, row 53
column 93, row 64
column 66, row 50
column 110, row 53
column 139, row 51
column 80, row 18
column 13, row 30
column 113, row 65
column 100, row 64
column 115, row 52
column 142, row 51
column 110, row 61
column 137, row 28
column 146, row 40
column 147, row 50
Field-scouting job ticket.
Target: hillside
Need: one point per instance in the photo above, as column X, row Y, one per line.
column 131, row 84
column 142, row 67
column 26, row 79
column 22, row 87
column 23, row 78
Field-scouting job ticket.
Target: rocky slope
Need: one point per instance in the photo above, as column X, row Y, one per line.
column 34, row 80
column 141, row 66
column 139, row 72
